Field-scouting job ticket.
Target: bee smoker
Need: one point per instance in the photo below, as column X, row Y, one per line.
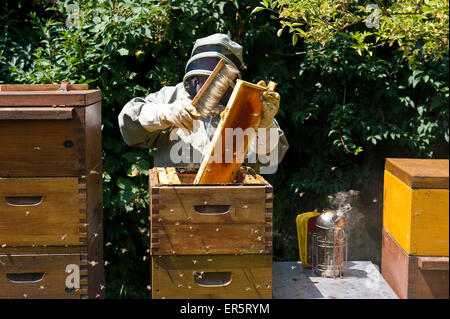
column 329, row 245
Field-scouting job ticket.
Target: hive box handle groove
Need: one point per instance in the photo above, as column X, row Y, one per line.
column 25, row 277
column 213, row 279
column 23, row 200
column 212, row 209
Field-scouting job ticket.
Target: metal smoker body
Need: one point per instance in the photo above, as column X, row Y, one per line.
column 329, row 245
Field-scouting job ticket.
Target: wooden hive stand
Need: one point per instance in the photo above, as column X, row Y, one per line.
column 51, row 234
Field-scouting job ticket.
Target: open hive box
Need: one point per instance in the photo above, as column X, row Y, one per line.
column 189, row 219
column 221, row 231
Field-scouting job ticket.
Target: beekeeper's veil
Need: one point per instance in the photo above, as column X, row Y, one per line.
column 204, row 57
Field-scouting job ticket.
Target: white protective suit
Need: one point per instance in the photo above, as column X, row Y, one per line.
column 141, row 125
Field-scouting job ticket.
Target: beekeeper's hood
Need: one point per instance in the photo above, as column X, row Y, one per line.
column 204, row 57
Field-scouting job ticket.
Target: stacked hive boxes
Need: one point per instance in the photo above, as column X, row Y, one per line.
column 50, row 192
column 415, row 227
column 210, row 241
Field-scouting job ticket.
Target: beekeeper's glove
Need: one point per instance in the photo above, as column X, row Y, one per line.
column 180, row 114
column 270, row 106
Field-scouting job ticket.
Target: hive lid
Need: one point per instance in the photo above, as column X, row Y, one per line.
column 47, row 95
column 420, row 173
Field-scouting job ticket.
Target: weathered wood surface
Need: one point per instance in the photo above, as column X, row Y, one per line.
column 418, row 219
column 49, row 98
column 92, row 148
column 66, row 218
column 40, row 276
column 30, row 250
column 432, row 263
column 68, row 147
column 93, row 210
column 226, row 152
column 207, row 239
column 212, row 205
column 49, row 137
column 36, row 113
column 403, row 273
column 361, row 280
column 209, row 219
column 420, row 173
column 41, row 211
column 190, row 277
column 40, row 87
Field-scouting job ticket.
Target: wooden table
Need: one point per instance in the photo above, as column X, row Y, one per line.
column 362, row 280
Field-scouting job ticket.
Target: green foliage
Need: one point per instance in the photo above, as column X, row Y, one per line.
column 416, row 27
column 104, row 44
column 342, row 112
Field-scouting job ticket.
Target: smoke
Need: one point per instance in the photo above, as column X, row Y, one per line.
column 342, row 203
column 345, row 204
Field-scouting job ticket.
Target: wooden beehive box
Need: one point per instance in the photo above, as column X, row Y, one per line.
column 41, row 276
column 411, row 276
column 189, row 219
column 212, row 276
column 415, row 227
column 416, row 205
column 50, row 191
column 45, row 132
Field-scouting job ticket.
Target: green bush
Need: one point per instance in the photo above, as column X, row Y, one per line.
column 342, row 113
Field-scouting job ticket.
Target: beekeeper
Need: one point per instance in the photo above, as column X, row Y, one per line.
column 167, row 122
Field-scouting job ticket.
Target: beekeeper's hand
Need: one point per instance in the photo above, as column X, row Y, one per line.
column 270, row 106
column 180, row 114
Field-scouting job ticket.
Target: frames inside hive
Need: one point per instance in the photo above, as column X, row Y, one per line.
column 242, row 114
column 174, row 176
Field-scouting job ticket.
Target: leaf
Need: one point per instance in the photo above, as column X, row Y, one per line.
column 257, row 9
column 124, row 183
column 294, row 38
column 279, row 32
column 123, row 51
column 420, row 110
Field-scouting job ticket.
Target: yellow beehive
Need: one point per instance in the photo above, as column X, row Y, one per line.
column 416, row 205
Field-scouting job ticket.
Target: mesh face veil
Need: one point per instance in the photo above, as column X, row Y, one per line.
column 206, row 53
